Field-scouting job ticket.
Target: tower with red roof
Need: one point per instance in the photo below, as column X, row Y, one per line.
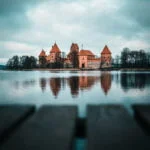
column 106, row 57
column 55, row 54
column 42, row 58
column 73, row 55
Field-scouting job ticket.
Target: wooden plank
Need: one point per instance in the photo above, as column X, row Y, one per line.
column 52, row 127
column 111, row 127
column 142, row 114
column 11, row 116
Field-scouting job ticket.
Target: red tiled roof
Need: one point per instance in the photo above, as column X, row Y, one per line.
column 55, row 49
column 42, row 54
column 106, row 50
column 85, row 53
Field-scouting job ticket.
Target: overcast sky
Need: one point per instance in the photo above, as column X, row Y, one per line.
column 27, row 26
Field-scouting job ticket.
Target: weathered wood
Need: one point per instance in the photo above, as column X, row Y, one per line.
column 111, row 127
column 142, row 114
column 52, row 127
column 11, row 117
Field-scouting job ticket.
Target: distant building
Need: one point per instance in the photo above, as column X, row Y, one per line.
column 42, row 54
column 87, row 60
column 53, row 59
column 42, row 58
column 106, row 58
column 55, row 54
column 73, row 55
column 76, row 58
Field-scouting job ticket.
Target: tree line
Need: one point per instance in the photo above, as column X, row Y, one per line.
column 132, row 59
column 23, row 62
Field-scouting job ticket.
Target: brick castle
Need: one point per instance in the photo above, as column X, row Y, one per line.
column 76, row 58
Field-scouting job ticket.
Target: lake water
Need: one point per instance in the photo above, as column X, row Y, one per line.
column 74, row 88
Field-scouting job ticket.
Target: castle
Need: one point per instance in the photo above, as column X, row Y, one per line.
column 76, row 58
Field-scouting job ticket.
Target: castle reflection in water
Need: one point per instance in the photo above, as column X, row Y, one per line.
column 81, row 83
column 127, row 81
column 76, row 83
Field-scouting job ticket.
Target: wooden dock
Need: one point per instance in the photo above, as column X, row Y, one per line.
column 111, row 127
column 106, row 127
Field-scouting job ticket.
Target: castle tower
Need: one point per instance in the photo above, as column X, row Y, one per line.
column 106, row 57
column 73, row 55
column 42, row 58
column 55, row 54
column 42, row 54
column 74, row 47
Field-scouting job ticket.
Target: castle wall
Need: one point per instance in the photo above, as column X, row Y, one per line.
column 93, row 64
column 83, row 62
column 53, row 57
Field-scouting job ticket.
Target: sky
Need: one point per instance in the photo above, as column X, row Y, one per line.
column 27, row 27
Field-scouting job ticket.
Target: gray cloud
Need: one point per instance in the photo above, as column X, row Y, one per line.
column 12, row 17
column 27, row 26
column 138, row 11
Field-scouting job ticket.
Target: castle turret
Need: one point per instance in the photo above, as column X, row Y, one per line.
column 73, row 55
column 55, row 49
column 74, row 47
column 42, row 58
column 105, row 57
column 42, row 54
column 55, row 54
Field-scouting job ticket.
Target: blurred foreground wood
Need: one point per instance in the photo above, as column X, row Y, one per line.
column 106, row 127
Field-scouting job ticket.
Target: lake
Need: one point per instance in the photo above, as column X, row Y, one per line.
column 74, row 88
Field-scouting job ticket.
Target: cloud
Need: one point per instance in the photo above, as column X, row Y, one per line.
column 138, row 11
column 11, row 48
column 28, row 26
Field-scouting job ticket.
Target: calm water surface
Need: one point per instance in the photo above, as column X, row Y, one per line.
column 74, row 88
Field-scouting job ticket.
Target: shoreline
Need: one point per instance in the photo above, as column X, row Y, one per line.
column 77, row 69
